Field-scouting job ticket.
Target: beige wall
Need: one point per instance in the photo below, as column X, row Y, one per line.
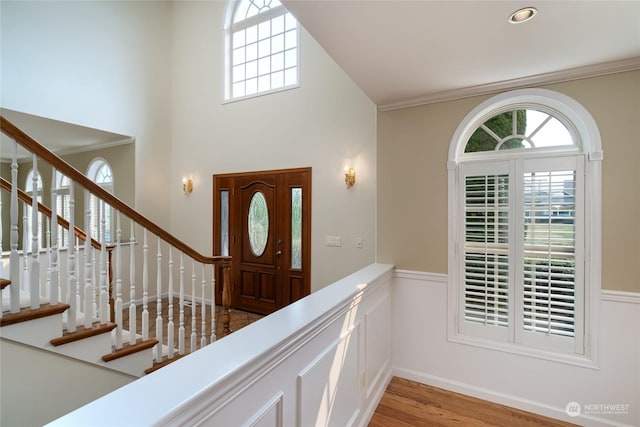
column 413, row 147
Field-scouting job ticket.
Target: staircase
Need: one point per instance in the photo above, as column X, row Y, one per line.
column 72, row 300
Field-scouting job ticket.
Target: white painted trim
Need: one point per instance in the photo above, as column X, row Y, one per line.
column 620, row 296
column 620, row 66
column 421, row 275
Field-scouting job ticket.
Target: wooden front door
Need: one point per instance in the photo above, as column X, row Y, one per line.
column 263, row 220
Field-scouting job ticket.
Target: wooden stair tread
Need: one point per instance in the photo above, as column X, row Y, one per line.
column 165, row 362
column 4, row 283
column 26, row 314
column 128, row 349
column 82, row 332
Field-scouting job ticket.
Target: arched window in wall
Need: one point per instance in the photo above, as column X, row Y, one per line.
column 29, row 184
column 524, row 249
column 63, row 185
column 262, row 53
column 100, row 172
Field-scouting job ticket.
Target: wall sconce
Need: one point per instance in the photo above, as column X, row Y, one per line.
column 349, row 177
column 187, row 186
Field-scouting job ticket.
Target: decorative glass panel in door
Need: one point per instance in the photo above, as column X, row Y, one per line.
column 258, row 223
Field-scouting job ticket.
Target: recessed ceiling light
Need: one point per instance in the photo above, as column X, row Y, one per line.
column 522, row 15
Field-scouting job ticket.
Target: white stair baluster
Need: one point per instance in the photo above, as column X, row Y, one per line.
column 170, row 332
column 71, row 269
column 203, row 312
column 159, row 305
column 103, row 302
column 145, row 288
column 1, row 263
column 213, row 303
column 54, row 271
column 118, row 300
column 89, row 294
column 194, row 306
column 46, row 290
column 34, row 277
column 14, row 257
column 93, row 264
column 181, row 342
column 26, row 234
column 132, row 288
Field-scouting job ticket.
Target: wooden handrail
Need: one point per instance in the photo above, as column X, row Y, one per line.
column 76, row 176
column 46, row 211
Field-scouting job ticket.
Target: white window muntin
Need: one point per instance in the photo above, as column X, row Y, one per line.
column 236, row 73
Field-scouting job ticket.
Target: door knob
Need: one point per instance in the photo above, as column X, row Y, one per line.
column 278, row 252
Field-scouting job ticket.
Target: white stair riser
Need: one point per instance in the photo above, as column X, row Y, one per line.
column 36, row 332
column 133, row 364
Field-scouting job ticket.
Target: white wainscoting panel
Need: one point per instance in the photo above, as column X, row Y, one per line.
column 328, row 388
column 270, row 415
column 422, row 352
column 377, row 330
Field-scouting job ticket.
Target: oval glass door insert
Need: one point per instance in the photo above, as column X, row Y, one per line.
column 258, row 223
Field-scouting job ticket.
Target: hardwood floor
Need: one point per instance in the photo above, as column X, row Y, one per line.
column 408, row 403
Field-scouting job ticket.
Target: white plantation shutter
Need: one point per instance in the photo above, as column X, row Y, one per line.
column 486, row 257
column 520, row 262
column 552, row 260
column 485, row 269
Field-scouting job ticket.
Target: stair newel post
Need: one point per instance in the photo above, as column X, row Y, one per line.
column 194, row 300
column 213, row 303
column 181, row 338
column 203, row 312
column 145, row 287
column 34, row 277
column 118, row 302
column 54, row 271
column 132, row 287
column 170, row 337
column 71, row 269
column 103, row 302
column 89, row 294
column 159, row 305
column 226, row 297
column 14, row 257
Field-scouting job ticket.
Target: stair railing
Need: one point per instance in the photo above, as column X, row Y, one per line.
column 95, row 296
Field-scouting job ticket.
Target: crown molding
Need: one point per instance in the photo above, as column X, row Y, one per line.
column 612, row 67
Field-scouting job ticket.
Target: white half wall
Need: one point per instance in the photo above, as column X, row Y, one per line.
column 324, row 360
column 421, row 352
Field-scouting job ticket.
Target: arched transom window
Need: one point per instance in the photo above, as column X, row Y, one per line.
column 262, row 53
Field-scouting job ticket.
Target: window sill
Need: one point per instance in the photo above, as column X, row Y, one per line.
column 520, row 350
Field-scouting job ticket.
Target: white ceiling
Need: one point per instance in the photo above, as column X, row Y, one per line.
column 404, row 52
